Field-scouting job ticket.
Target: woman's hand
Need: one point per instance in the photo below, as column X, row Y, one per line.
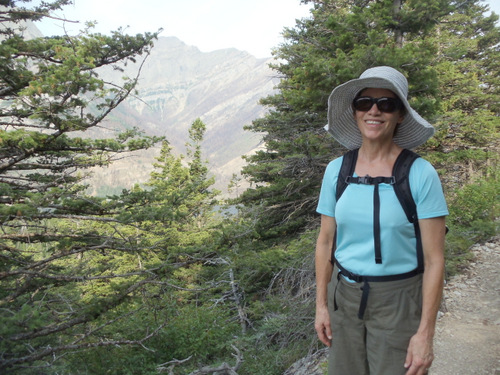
column 420, row 355
column 322, row 326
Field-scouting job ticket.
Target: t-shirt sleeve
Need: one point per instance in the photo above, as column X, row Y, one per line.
column 327, row 201
column 427, row 190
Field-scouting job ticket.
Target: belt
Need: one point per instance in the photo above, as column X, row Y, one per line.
column 366, row 286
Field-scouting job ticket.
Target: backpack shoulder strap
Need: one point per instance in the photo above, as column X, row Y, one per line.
column 401, row 173
column 346, row 170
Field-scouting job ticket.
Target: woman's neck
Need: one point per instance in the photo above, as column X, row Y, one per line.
column 377, row 160
column 374, row 152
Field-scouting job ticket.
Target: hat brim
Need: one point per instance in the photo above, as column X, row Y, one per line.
column 412, row 132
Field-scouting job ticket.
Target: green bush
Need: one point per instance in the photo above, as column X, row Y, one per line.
column 473, row 218
column 199, row 331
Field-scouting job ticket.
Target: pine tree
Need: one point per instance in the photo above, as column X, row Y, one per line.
column 177, row 200
column 337, row 43
column 466, row 147
column 467, row 63
column 61, row 282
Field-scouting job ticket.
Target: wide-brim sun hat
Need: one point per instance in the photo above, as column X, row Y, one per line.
column 413, row 130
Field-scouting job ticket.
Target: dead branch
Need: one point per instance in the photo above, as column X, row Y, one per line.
column 50, row 351
column 223, row 369
column 171, row 365
column 237, row 299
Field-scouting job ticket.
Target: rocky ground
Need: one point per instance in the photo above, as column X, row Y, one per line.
column 468, row 332
column 467, row 339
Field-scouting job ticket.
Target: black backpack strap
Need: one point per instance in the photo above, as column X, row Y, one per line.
column 401, row 172
column 346, row 170
column 375, row 181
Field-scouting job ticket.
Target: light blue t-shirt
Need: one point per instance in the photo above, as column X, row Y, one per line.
column 354, row 216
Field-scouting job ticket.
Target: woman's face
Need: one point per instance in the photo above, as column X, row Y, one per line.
column 375, row 125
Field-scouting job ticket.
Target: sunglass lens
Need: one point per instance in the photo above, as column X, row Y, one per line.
column 387, row 104
column 363, row 104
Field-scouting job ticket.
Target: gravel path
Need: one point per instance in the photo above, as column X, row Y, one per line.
column 468, row 332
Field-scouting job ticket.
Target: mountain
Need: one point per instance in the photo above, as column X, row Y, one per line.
column 178, row 84
column 27, row 29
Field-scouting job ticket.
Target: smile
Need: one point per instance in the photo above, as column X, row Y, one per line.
column 374, row 122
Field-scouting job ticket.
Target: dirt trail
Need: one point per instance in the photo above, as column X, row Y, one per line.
column 468, row 332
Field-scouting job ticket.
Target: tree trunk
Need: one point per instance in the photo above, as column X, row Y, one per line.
column 398, row 34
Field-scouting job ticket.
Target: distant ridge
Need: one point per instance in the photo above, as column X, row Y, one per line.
column 178, row 84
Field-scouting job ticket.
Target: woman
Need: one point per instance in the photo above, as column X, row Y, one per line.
column 378, row 327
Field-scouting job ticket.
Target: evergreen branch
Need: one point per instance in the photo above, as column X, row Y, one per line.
column 84, row 318
column 50, row 351
column 81, row 278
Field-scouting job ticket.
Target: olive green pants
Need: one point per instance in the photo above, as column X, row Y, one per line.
column 376, row 344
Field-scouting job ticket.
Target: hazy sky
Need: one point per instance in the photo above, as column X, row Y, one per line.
column 254, row 26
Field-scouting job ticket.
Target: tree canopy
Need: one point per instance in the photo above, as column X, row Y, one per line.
column 60, row 247
column 424, row 40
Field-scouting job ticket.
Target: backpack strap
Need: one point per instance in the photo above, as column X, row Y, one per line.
column 366, row 284
column 346, row 171
column 401, row 173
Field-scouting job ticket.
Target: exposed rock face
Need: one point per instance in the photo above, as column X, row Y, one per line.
column 179, row 84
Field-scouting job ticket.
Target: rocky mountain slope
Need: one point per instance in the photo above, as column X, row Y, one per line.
column 178, row 84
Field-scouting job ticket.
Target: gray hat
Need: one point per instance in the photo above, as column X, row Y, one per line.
column 412, row 132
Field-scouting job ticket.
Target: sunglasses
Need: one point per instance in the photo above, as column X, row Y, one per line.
column 388, row 105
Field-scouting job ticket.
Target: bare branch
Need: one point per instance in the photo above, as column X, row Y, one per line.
column 223, row 369
column 171, row 365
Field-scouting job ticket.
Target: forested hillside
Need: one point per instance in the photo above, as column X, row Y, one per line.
column 166, row 277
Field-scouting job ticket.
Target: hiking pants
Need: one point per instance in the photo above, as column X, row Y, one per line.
column 376, row 344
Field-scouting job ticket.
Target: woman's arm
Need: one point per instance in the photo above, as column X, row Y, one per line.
column 324, row 269
column 420, row 351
